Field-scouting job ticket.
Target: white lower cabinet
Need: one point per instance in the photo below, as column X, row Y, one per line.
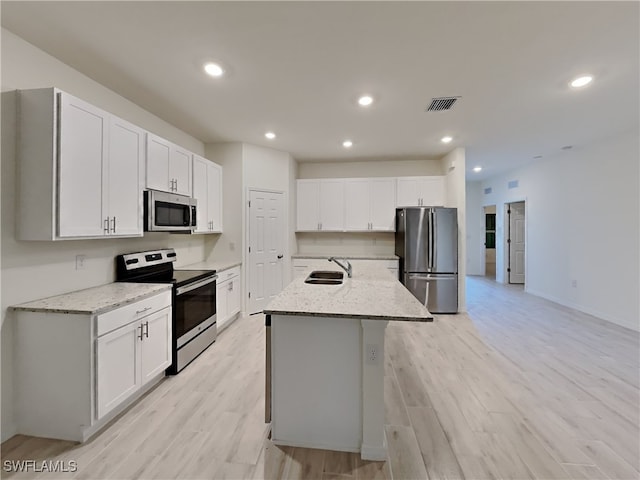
column 130, row 357
column 75, row 372
column 228, row 299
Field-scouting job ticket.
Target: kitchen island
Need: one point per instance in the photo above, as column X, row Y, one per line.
column 325, row 360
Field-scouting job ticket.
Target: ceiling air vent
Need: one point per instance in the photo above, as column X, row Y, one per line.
column 441, row 103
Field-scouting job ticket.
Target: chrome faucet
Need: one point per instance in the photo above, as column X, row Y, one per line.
column 346, row 268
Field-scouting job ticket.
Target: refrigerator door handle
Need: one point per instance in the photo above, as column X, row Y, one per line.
column 431, row 239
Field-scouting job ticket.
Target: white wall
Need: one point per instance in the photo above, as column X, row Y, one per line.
column 582, row 224
column 228, row 245
column 251, row 167
column 475, row 229
column 32, row 270
column 454, row 163
column 269, row 169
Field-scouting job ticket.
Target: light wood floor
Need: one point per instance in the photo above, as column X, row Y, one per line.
column 519, row 388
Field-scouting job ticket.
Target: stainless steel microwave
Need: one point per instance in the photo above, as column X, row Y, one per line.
column 169, row 212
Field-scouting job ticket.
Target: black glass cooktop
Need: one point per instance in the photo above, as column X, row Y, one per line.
column 180, row 277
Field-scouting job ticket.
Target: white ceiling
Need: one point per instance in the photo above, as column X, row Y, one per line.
column 297, row 68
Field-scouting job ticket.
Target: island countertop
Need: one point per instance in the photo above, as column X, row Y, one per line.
column 372, row 293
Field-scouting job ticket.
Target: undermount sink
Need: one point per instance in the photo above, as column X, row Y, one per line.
column 327, row 274
column 322, row 277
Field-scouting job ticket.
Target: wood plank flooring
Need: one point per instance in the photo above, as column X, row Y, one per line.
column 520, row 388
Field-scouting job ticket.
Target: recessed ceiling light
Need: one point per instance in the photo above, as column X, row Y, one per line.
column 214, row 69
column 446, row 139
column 477, row 169
column 347, row 144
column 365, row 100
column 581, row 81
column 270, row 135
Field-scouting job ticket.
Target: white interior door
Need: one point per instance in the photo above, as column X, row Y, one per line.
column 516, row 242
column 266, row 248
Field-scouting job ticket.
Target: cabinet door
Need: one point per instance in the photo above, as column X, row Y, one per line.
column 117, row 367
column 357, row 201
column 332, row 205
column 407, row 194
column 125, row 178
column 431, row 190
column 82, row 155
column 214, row 179
column 155, row 346
column 158, row 158
column 180, row 170
column 201, row 194
column 308, row 205
column 233, row 296
column 382, row 193
column 221, row 303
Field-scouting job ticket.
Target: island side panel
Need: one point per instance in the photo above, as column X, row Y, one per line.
column 374, row 446
column 316, row 382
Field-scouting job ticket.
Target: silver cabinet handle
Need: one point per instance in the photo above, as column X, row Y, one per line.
column 140, row 336
column 176, row 180
column 138, row 312
column 106, row 225
column 114, row 224
column 146, row 329
column 230, row 286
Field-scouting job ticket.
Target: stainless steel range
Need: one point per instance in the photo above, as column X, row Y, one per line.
column 194, row 300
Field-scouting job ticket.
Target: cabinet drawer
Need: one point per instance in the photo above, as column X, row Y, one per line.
column 119, row 317
column 227, row 274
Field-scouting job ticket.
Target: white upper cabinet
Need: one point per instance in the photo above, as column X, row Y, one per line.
column 80, row 170
column 168, row 166
column 82, row 159
column 420, row 191
column 207, row 189
column 370, row 204
column 320, row 205
column 125, row 174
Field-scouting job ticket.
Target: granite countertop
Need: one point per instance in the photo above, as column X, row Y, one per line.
column 217, row 265
column 96, row 300
column 372, row 293
column 369, row 256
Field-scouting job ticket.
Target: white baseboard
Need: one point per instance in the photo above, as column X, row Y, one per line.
column 589, row 311
column 377, row 454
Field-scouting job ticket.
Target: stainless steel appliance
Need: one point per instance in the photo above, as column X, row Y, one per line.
column 194, row 300
column 427, row 245
column 169, row 212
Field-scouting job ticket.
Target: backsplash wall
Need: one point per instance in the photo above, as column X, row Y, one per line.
column 327, row 243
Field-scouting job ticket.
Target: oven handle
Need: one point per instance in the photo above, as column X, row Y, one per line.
column 193, row 286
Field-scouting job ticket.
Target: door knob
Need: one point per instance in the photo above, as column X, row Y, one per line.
column 280, row 256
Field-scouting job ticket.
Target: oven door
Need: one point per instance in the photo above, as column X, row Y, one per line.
column 195, row 309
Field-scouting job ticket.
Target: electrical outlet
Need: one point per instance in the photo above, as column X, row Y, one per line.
column 574, row 283
column 373, row 352
column 80, row 259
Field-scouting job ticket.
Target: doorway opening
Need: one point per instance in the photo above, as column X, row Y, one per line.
column 490, row 241
column 516, row 234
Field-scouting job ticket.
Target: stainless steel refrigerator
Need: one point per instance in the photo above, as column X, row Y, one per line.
column 427, row 245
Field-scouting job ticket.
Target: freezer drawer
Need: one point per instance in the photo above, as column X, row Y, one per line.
column 438, row 292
